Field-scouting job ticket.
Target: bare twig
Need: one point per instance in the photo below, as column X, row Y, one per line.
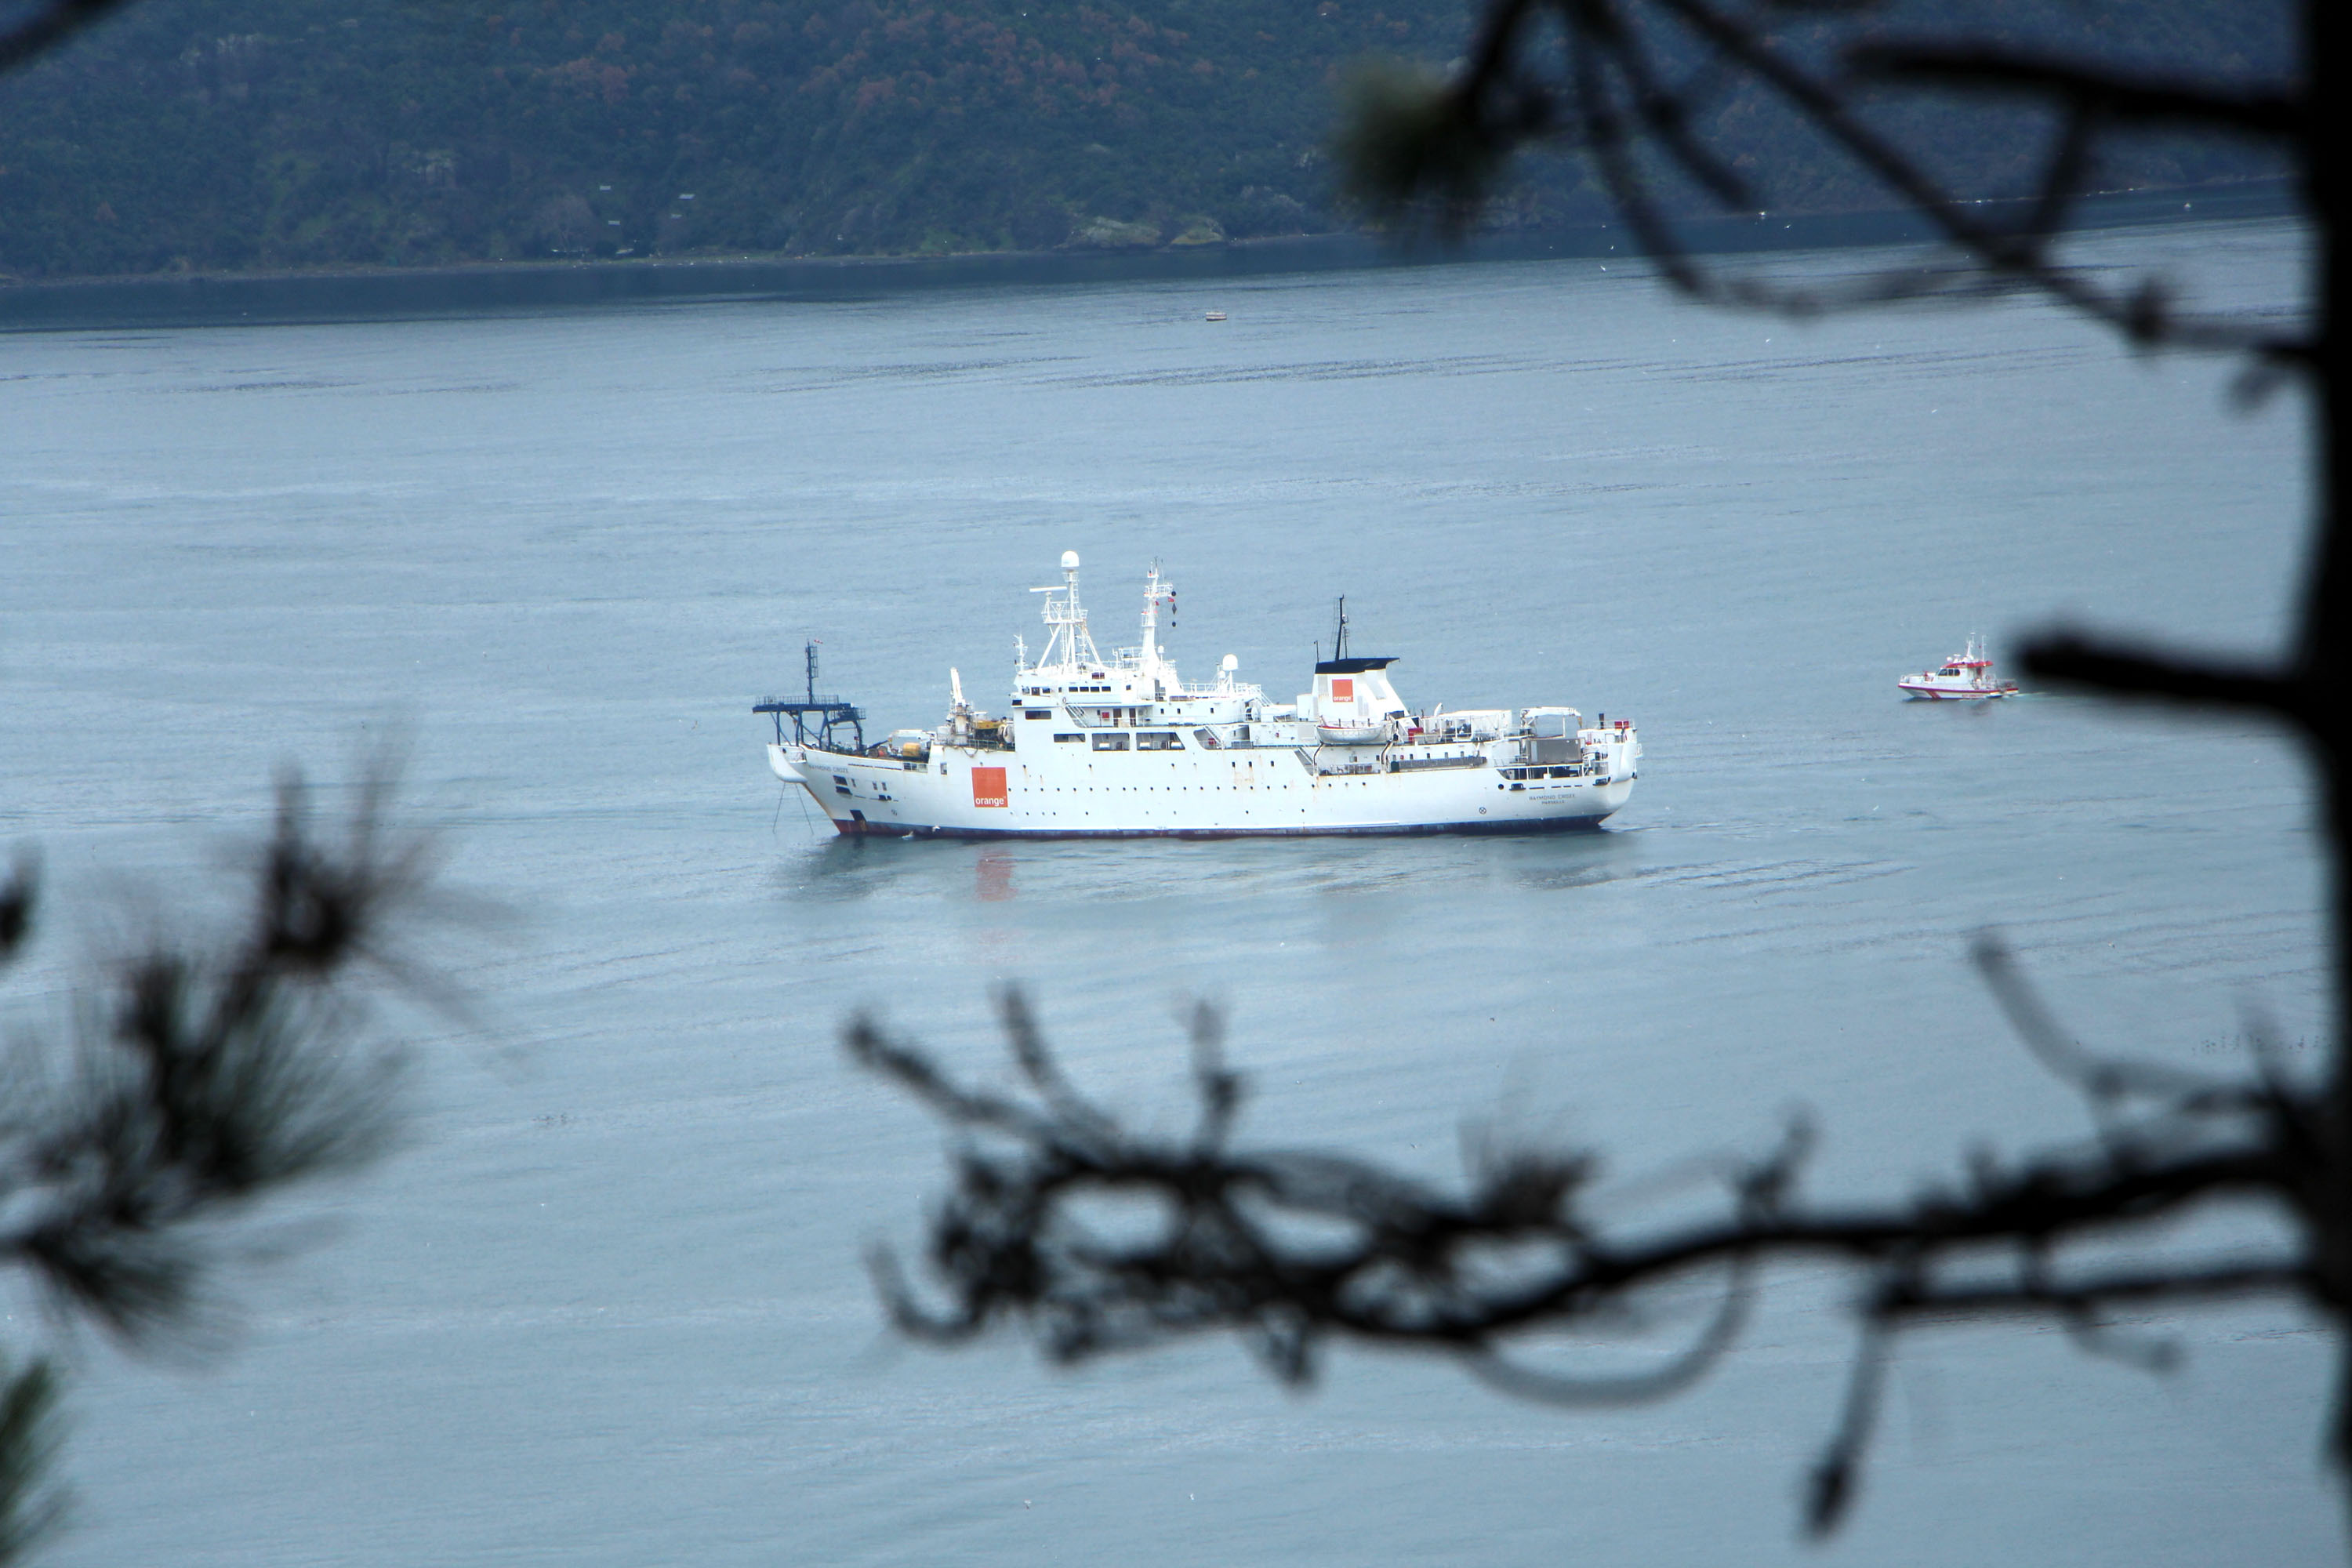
column 1290, row 1248
column 1449, row 140
column 2263, row 114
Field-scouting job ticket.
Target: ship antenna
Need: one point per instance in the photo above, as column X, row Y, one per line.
column 811, row 652
column 1339, row 638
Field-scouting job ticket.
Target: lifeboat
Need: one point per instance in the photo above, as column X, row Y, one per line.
column 1330, row 734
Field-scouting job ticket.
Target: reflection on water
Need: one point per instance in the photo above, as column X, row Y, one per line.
column 1207, row 872
column 1584, row 860
column 993, row 877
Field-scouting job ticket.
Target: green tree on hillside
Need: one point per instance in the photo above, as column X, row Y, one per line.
column 211, row 134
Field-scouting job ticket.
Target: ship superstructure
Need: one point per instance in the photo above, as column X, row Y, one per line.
column 1120, row 746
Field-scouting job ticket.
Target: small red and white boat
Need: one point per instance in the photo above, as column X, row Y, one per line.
column 1964, row 678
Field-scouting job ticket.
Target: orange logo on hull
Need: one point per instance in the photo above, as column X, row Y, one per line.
column 1343, row 692
column 988, row 787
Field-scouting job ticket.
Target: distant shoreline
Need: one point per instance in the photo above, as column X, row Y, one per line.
column 183, row 300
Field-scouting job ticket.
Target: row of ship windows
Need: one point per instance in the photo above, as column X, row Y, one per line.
column 1184, row 789
column 1204, row 789
column 1117, row 740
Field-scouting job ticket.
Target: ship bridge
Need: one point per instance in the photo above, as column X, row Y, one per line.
column 1071, row 678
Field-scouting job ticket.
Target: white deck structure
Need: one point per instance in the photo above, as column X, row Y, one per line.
column 1097, row 747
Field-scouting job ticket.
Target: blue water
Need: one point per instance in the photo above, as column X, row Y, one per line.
column 606, row 1304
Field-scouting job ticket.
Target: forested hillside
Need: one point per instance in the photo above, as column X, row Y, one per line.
column 215, row 134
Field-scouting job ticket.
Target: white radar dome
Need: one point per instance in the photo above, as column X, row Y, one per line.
column 1231, row 663
column 1069, row 560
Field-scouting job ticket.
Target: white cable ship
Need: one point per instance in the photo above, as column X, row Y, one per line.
column 1120, row 747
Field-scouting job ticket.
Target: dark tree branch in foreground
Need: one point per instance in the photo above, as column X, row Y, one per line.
column 25, row 39
column 1591, row 73
column 200, row 1079
column 2114, row 98
column 1100, row 1239
column 2112, row 670
column 1600, row 75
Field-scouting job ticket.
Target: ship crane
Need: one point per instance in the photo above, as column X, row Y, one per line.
column 816, row 721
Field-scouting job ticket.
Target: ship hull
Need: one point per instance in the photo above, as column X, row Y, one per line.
column 1954, row 693
column 1361, row 830
column 1265, row 794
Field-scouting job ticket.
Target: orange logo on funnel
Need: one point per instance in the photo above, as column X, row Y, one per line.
column 988, row 787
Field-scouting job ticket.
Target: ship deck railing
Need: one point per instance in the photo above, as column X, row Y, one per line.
column 1422, row 764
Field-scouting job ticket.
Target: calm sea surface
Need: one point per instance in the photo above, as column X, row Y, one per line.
column 606, row 1305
